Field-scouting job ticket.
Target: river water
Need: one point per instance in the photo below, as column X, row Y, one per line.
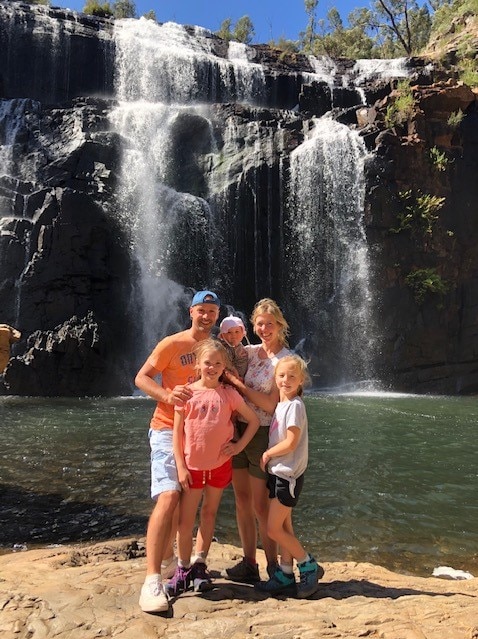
column 392, row 479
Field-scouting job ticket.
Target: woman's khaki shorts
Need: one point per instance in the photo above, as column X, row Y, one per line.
column 250, row 457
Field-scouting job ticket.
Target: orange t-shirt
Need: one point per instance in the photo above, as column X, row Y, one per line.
column 173, row 357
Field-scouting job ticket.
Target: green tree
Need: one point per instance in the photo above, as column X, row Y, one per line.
column 309, row 36
column 124, row 9
column 243, row 30
column 150, row 15
column 389, row 28
column 224, row 31
column 402, row 27
column 94, row 8
column 286, row 46
column 337, row 41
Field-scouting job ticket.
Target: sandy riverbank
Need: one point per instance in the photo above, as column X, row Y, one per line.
column 91, row 592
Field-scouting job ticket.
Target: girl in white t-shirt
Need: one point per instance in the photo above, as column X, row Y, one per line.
column 285, row 461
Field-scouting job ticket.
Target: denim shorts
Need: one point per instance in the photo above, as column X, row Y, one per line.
column 164, row 476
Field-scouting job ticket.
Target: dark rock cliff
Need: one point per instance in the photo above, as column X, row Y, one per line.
column 430, row 323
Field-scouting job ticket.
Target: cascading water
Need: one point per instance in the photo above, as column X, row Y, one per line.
column 327, row 254
column 182, row 229
column 166, row 80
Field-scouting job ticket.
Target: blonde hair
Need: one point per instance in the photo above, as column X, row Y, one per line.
column 211, row 344
column 266, row 305
column 301, row 366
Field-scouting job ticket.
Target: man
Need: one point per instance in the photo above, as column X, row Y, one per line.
column 174, row 360
column 8, row 335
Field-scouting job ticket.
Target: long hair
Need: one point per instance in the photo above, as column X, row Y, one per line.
column 266, row 305
column 211, row 344
column 301, row 366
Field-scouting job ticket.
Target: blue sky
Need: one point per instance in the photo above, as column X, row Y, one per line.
column 271, row 18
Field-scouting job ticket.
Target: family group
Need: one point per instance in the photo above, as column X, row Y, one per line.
column 226, row 412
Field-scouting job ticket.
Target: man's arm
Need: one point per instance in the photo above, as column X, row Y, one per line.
column 145, row 381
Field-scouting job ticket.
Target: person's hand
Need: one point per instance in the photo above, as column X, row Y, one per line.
column 180, row 394
column 185, row 479
column 230, row 449
column 232, row 379
column 265, row 459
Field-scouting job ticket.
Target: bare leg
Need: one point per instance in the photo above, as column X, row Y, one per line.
column 187, row 516
column 169, row 552
column 207, row 522
column 261, row 501
column 246, row 523
column 159, row 530
column 279, row 527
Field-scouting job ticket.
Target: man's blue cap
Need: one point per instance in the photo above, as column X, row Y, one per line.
column 205, row 297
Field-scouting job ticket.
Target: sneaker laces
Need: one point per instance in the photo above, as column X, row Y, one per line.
column 180, row 576
column 155, row 587
column 306, row 574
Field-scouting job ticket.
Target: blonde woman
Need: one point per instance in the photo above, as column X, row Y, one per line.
column 248, row 478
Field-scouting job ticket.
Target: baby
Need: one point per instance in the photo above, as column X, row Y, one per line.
column 231, row 334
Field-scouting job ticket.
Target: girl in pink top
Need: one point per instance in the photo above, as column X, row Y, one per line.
column 203, row 448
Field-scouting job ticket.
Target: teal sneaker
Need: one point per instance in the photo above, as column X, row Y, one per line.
column 279, row 582
column 310, row 573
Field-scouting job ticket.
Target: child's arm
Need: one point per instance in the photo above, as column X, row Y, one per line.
column 233, row 448
column 184, row 476
column 287, row 445
column 266, row 401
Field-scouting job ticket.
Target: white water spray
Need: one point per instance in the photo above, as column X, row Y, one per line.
column 327, row 250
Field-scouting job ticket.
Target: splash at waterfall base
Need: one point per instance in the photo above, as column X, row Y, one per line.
column 279, row 173
column 90, row 592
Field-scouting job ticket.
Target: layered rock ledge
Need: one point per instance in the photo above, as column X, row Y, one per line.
column 89, row 592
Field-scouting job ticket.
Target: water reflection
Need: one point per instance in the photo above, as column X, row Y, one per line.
column 391, row 480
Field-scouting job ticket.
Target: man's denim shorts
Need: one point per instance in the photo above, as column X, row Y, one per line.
column 164, row 476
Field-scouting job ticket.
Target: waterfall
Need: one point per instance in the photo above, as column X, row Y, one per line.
column 166, row 80
column 327, row 254
column 169, row 64
column 192, row 208
column 366, row 70
column 325, row 69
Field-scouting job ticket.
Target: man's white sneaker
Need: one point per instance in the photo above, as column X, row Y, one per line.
column 168, row 567
column 153, row 598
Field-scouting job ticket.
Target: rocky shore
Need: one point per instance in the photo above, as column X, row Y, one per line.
column 86, row 592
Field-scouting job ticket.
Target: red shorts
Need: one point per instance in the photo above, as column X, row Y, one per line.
column 217, row 477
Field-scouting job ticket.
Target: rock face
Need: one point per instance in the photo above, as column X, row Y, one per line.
column 63, row 254
column 128, row 180
column 53, row 61
column 93, row 591
column 429, row 340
